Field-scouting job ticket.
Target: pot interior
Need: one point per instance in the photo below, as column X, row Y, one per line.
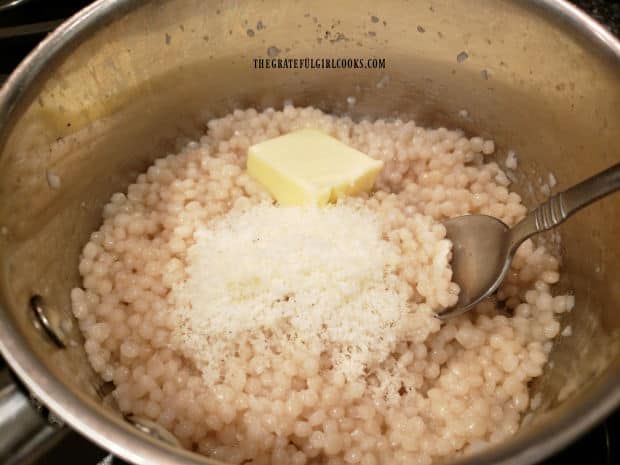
column 143, row 78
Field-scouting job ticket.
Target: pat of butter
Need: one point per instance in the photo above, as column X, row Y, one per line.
column 309, row 167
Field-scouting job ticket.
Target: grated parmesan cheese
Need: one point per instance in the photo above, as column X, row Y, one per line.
column 324, row 273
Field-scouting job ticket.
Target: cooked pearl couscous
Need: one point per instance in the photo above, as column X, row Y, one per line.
column 441, row 389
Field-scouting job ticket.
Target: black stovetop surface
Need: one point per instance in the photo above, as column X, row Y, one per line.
column 22, row 27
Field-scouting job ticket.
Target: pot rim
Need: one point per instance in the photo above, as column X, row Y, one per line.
column 111, row 433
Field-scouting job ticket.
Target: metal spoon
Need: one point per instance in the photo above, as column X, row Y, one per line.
column 483, row 246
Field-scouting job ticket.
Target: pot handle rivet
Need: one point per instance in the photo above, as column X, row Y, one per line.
column 153, row 429
column 45, row 321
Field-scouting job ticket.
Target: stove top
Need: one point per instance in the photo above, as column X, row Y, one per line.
column 23, row 24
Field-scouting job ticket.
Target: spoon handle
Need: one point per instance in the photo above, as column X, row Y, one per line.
column 560, row 206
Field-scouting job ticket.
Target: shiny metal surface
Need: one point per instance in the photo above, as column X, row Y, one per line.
column 6, row 5
column 28, row 29
column 123, row 81
column 47, row 321
column 483, row 246
column 480, row 259
column 19, row 422
column 153, row 429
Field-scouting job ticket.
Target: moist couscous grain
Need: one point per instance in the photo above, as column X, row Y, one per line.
column 460, row 385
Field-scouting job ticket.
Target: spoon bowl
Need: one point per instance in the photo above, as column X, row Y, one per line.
column 479, row 257
column 483, row 246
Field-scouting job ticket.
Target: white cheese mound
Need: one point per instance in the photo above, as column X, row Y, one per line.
column 324, row 272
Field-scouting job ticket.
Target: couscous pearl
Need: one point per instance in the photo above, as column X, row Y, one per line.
column 446, row 389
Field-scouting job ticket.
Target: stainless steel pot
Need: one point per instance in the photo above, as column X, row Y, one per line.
column 119, row 83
